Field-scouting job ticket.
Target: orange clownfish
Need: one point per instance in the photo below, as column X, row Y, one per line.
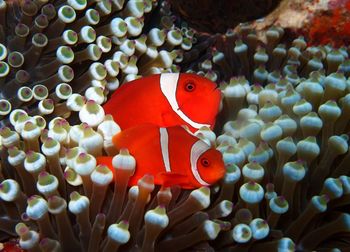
column 165, row 100
column 172, row 155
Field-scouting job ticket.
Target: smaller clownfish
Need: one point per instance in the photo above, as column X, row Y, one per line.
column 172, row 155
column 166, row 100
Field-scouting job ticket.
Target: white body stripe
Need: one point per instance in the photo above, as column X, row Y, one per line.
column 164, row 144
column 168, row 85
column 197, row 150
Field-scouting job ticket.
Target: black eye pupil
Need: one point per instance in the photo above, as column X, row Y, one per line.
column 205, row 162
column 189, row 87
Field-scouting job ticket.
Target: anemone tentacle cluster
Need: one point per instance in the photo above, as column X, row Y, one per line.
column 285, row 118
column 282, row 132
column 56, row 55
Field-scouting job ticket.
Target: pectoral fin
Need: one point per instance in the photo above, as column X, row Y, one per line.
column 168, row 118
column 172, row 178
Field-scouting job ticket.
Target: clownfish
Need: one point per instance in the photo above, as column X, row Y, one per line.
column 166, row 100
column 172, row 155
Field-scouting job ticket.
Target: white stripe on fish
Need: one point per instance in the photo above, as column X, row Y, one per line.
column 164, row 144
column 198, row 148
column 168, row 85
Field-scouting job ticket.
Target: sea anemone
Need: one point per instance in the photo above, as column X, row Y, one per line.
column 60, row 60
column 54, row 56
column 282, row 133
column 284, row 124
column 116, row 217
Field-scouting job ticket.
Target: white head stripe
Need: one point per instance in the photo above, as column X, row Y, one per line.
column 198, row 148
column 164, row 144
column 168, row 85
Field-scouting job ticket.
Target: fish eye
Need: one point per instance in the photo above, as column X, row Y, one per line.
column 205, row 162
column 190, row 86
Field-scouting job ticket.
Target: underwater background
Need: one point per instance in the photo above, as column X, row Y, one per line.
column 283, row 69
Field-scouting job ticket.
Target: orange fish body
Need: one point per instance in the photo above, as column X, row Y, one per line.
column 172, row 155
column 165, row 100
